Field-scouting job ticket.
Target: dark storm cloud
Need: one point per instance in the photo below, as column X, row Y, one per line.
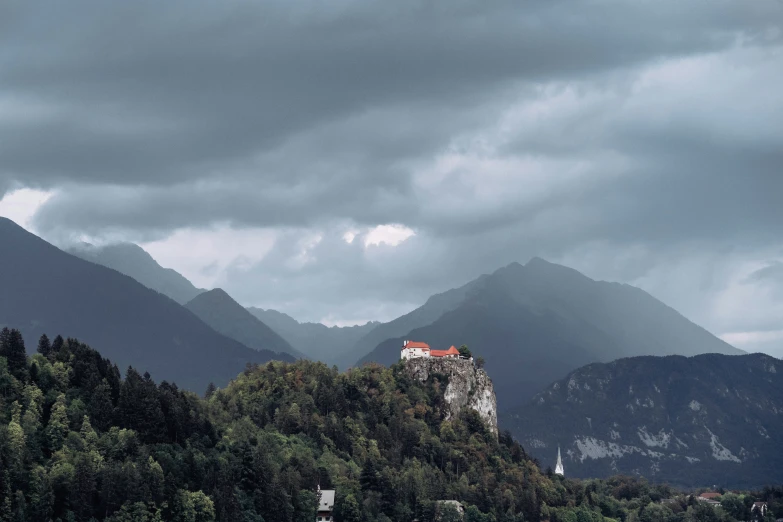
column 494, row 130
column 163, row 93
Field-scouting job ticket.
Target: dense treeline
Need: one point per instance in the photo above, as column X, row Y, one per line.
column 79, row 443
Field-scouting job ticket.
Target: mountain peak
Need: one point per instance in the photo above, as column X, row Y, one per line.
column 217, row 297
column 9, row 226
column 216, row 294
column 221, row 312
column 132, row 260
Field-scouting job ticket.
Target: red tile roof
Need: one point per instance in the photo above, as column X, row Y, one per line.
column 417, row 344
column 444, row 353
column 710, row 495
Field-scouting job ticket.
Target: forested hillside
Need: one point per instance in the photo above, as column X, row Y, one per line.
column 79, row 443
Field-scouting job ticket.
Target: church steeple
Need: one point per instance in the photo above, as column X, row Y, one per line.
column 559, row 465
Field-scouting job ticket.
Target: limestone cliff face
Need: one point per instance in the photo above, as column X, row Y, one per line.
column 468, row 386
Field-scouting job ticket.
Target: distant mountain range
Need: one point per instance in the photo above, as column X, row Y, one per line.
column 46, row 290
column 221, row 312
column 689, row 420
column 535, row 323
column 532, row 323
column 132, row 260
column 330, row 344
column 704, row 420
column 432, row 310
column 333, row 345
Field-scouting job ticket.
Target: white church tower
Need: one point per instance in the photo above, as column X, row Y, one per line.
column 559, row 465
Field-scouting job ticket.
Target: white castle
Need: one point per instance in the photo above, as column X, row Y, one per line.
column 415, row 349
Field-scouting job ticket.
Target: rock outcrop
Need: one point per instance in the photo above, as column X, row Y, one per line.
column 468, row 386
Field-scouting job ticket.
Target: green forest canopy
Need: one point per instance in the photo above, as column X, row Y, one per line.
column 79, row 443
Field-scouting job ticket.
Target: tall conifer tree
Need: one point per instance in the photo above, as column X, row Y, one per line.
column 12, row 348
column 44, row 346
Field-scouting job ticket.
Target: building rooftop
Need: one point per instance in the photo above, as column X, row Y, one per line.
column 443, row 353
column 327, row 500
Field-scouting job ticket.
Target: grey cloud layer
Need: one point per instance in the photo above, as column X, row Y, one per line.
column 145, row 93
column 496, row 130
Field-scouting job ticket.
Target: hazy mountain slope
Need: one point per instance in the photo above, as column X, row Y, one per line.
column 330, row 344
column 434, row 308
column 132, row 260
column 708, row 419
column 535, row 323
column 640, row 323
column 222, row 313
column 277, row 321
column 45, row 290
column 524, row 350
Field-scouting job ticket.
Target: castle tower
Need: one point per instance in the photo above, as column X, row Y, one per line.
column 559, row 465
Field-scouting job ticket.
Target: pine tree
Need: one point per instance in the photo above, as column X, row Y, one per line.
column 57, row 428
column 6, row 502
column 155, row 480
column 140, row 407
column 211, row 389
column 88, row 434
column 5, row 338
column 41, row 495
column 44, row 346
column 84, row 488
column 57, row 345
column 31, row 420
column 34, row 371
column 16, row 439
column 12, row 348
column 20, row 507
column 101, row 407
column 369, row 477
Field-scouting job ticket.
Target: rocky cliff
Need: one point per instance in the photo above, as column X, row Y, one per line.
column 468, row 386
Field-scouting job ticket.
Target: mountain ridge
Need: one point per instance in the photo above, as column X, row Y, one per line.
column 219, row 310
column 331, row 344
column 705, row 419
column 46, row 290
column 132, row 260
column 435, row 306
column 534, row 323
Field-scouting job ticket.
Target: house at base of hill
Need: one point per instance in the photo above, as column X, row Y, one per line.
column 759, row 507
column 325, row 506
column 455, row 505
column 415, row 349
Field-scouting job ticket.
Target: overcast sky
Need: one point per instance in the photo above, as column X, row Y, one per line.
column 343, row 160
